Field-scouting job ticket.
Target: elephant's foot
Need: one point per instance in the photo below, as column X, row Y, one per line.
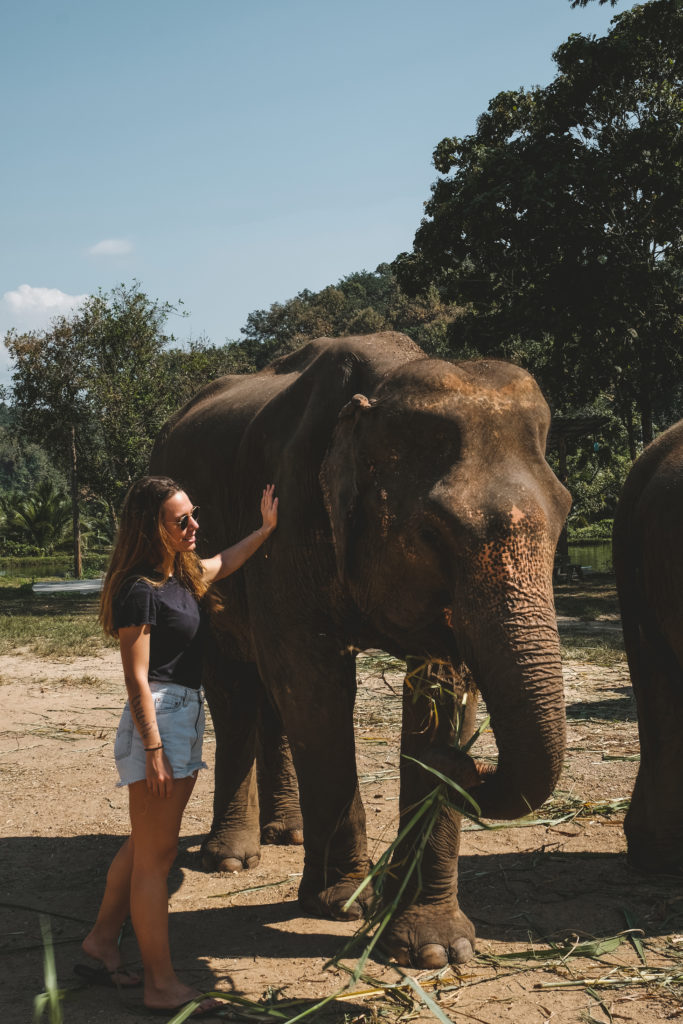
column 230, row 852
column 649, row 859
column 429, row 937
column 654, row 844
column 282, row 833
column 331, row 901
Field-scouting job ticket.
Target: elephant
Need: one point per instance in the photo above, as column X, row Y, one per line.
column 418, row 516
column 648, row 561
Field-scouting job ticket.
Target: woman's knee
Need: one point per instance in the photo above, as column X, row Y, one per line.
column 157, row 859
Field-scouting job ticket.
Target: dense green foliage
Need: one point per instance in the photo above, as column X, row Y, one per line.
column 559, row 223
column 106, row 378
column 358, row 304
column 93, row 390
column 43, row 517
column 601, row 530
column 23, row 463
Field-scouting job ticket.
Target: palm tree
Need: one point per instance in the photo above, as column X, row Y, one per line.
column 43, row 516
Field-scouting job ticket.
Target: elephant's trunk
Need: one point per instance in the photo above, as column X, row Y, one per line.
column 525, row 700
column 507, row 633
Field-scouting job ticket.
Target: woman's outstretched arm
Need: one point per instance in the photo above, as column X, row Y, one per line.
column 234, row 557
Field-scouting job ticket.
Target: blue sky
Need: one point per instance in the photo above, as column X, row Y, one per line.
column 228, row 153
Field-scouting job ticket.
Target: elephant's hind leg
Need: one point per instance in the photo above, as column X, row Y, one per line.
column 233, row 694
column 280, row 813
column 315, row 695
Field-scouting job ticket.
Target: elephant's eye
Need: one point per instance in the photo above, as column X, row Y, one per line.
column 430, row 537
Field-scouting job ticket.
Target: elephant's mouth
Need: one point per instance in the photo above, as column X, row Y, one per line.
column 514, row 662
column 419, row 623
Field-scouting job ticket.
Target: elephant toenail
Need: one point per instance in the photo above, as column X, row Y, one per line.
column 462, row 951
column 352, row 913
column 230, row 864
column 432, row 955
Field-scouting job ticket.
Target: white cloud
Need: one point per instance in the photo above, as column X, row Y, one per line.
column 27, row 301
column 31, row 309
column 111, row 247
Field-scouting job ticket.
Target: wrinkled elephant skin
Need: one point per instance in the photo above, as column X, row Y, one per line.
column 417, row 515
column 648, row 560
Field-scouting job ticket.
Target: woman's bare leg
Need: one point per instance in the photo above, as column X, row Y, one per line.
column 102, row 942
column 155, row 825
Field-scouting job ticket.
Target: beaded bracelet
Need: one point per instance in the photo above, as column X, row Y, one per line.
column 160, row 747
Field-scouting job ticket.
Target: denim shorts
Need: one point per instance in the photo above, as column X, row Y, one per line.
column 180, row 717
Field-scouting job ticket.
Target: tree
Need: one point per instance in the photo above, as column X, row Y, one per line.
column 560, row 223
column 43, row 516
column 97, row 386
column 182, row 371
column 361, row 303
column 49, row 394
column 80, row 388
column 121, row 338
column 23, row 464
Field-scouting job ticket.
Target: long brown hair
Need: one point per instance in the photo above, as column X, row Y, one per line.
column 142, row 542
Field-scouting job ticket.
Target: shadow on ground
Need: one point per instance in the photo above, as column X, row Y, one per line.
column 610, row 709
column 507, row 895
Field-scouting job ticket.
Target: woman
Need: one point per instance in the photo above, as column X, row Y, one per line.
column 150, row 602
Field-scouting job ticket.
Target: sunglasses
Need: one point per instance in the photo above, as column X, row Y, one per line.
column 184, row 520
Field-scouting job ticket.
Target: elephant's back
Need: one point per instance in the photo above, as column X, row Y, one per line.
column 653, row 489
column 648, row 539
column 306, row 387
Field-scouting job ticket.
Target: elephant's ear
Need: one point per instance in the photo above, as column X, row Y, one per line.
column 339, row 481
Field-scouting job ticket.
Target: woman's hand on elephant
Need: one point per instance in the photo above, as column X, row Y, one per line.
column 269, row 505
column 233, row 558
column 159, row 773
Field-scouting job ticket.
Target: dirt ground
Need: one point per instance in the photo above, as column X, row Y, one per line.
column 525, row 888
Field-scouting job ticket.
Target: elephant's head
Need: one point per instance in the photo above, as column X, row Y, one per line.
column 445, row 517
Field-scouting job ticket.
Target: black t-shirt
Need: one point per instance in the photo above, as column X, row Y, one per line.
column 175, row 654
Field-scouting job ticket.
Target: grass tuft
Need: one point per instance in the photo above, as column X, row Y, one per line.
column 50, row 999
column 605, row 649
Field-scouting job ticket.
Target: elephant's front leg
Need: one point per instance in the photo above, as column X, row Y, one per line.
column 428, row 928
column 315, row 697
column 654, row 821
column 233, row 691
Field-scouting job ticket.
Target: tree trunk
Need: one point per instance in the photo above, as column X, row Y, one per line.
column 628, row 420
column 563, row 542
column 646, row 418
column 112, row 516
column 76, row 515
